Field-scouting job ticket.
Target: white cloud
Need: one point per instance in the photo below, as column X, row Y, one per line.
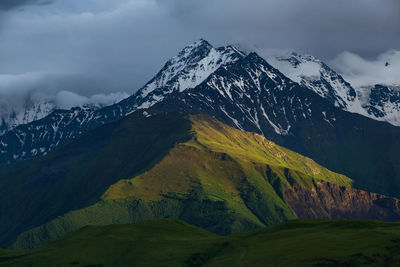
column 359, row 71
column 67, row 99
column 308, row 69
column 18, row 91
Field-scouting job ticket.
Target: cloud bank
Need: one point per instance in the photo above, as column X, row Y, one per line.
column 359, row 71
column 20, row 91
column 67, row 99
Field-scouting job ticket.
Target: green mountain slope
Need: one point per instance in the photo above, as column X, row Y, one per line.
column 174, row 243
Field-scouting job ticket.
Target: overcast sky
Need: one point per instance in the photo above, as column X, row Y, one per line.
column 89, row 47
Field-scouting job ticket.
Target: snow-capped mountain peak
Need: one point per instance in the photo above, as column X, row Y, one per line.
column 186, row 70
column 187, row 58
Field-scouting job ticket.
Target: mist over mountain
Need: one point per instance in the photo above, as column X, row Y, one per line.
column 19, row 106
column 363, row 72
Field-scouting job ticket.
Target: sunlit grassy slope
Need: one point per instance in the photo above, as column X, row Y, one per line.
column 222, row 179
column 174, row 243
column 220, row 159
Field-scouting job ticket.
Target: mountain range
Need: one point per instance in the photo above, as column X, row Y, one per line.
column 194, row 64
column 218, row 138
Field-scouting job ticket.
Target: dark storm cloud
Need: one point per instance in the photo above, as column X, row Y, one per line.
column 10, row 4
column 102, row 46
column 322, row 27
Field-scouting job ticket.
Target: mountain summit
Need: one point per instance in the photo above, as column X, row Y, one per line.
column 186, row 70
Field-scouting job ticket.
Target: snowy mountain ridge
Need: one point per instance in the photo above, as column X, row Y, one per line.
column 38, row 105
column 373, row 101
column 382, row 103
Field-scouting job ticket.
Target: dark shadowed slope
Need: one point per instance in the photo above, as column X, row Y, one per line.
column 75, row 176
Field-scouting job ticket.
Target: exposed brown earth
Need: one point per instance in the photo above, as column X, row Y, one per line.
column 327, row 200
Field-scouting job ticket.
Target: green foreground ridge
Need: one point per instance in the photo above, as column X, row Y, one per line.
column 167, row 242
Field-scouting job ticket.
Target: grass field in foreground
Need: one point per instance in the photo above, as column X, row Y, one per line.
column 175, row 243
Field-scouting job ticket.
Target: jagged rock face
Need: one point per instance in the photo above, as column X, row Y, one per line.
column 327, row 200
column 384, row 103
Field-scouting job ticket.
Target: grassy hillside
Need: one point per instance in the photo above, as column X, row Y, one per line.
column 174, row 243
column 221, row 179
column 223, row 161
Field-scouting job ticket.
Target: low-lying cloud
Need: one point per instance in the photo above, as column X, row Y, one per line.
column 359, row 71
column 67, row 99
column 18, row 92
